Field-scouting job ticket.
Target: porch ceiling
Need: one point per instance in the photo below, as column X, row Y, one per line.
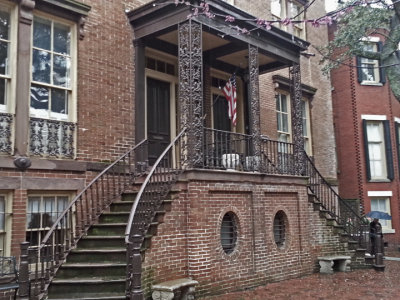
column 156, row 23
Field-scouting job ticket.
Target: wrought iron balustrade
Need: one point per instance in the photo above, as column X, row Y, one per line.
column 6, row 121
column 52, row 138
column 153, row 192
column 63, row 233
column 332, row 204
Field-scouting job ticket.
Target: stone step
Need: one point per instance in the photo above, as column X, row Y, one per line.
column 104, row 271
column 117, row 255
column 101, row 242
column 107, row 229
column 114, row 217
column 81, row 288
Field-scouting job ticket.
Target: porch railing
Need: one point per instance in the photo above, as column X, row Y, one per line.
column 75, row 220
column 230, row 150
column 153, row 192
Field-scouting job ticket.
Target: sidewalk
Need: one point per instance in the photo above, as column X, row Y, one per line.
column 359, row 284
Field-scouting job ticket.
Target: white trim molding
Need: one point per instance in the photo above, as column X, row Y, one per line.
column 380, row 193
column 374, row 117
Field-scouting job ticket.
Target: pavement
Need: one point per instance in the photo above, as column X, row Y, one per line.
column 365, row 284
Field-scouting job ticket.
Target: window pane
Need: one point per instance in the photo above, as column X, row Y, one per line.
column 3, row 57
column 374, row 133
column 276, row 7
column 42, row 33
column 2, row 91
column 285, row 123
column 41, row 66
column 4, row 25
column 33, row 215
column 2, row 213
column 49, row 215
column 39, row 97
column 59, row 101
column 368, row 73
column 60, row 70
column 62, row 37
column 284, row 103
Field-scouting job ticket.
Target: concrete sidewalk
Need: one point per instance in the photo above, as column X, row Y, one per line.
column 365, row 284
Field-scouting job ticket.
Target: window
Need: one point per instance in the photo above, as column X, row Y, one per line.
column 305, row 114
column 378, row 150
column 42, row 212
column 280, row 229
column 52, row 69
column 281, row 9
column 382, row 204
column 7, row 49
column 229, row 232
column 4, row 226
column 283, row 117
column 369, row 72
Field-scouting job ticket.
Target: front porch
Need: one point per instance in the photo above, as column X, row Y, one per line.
column 182, row 65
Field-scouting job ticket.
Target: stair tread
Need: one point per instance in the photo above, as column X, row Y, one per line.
column 97, row 250
column 77, row 280
column 94, row 297
column 93, row 264
column 109, row 224
column 116, row 213
column 97, row 237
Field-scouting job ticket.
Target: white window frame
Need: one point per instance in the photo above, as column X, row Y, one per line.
column 297, row 29
column 305, row 114
column 10, row 86
column 377, row 144
column 42, row 211
column 386, row 224
column 71, row 116
column 366, row 63
column 5, row 237
column 279, row 119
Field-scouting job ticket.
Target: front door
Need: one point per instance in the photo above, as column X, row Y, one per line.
column 158, row 117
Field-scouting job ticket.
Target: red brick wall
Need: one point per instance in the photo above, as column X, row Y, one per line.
column 351, row 100
column 188, row 243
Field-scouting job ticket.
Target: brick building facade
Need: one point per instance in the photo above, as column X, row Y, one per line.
column 366, row 118
column 82, row 106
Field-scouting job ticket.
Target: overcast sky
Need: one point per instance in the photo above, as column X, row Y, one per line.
column 330, row 5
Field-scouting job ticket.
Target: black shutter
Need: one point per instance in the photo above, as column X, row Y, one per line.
column 397, row 125
column 388, row 150
column 367, row 166
column 382, row 73
column 359, row 70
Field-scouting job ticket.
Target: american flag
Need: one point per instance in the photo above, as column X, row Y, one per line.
column 229, row 91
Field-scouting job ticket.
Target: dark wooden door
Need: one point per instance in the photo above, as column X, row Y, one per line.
column 158, row 117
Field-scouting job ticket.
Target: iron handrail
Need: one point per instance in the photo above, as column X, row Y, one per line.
column 351, row 221
column 154, row 189
column 77, row 217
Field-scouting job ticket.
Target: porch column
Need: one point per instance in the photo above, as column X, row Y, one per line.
column 190, row 63
column 140, row 99
column 297, row 120
column 254, row 101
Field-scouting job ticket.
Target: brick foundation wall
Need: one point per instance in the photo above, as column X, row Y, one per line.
column 188, row 243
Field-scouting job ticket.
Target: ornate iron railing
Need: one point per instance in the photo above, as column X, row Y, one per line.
column 230, row 150
column 79, row 215
column 52, row 138
column 149, row 199
column 337, row 208
column 5, row 133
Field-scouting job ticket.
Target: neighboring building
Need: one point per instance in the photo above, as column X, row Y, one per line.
column 367, row 120
column 76, row 94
